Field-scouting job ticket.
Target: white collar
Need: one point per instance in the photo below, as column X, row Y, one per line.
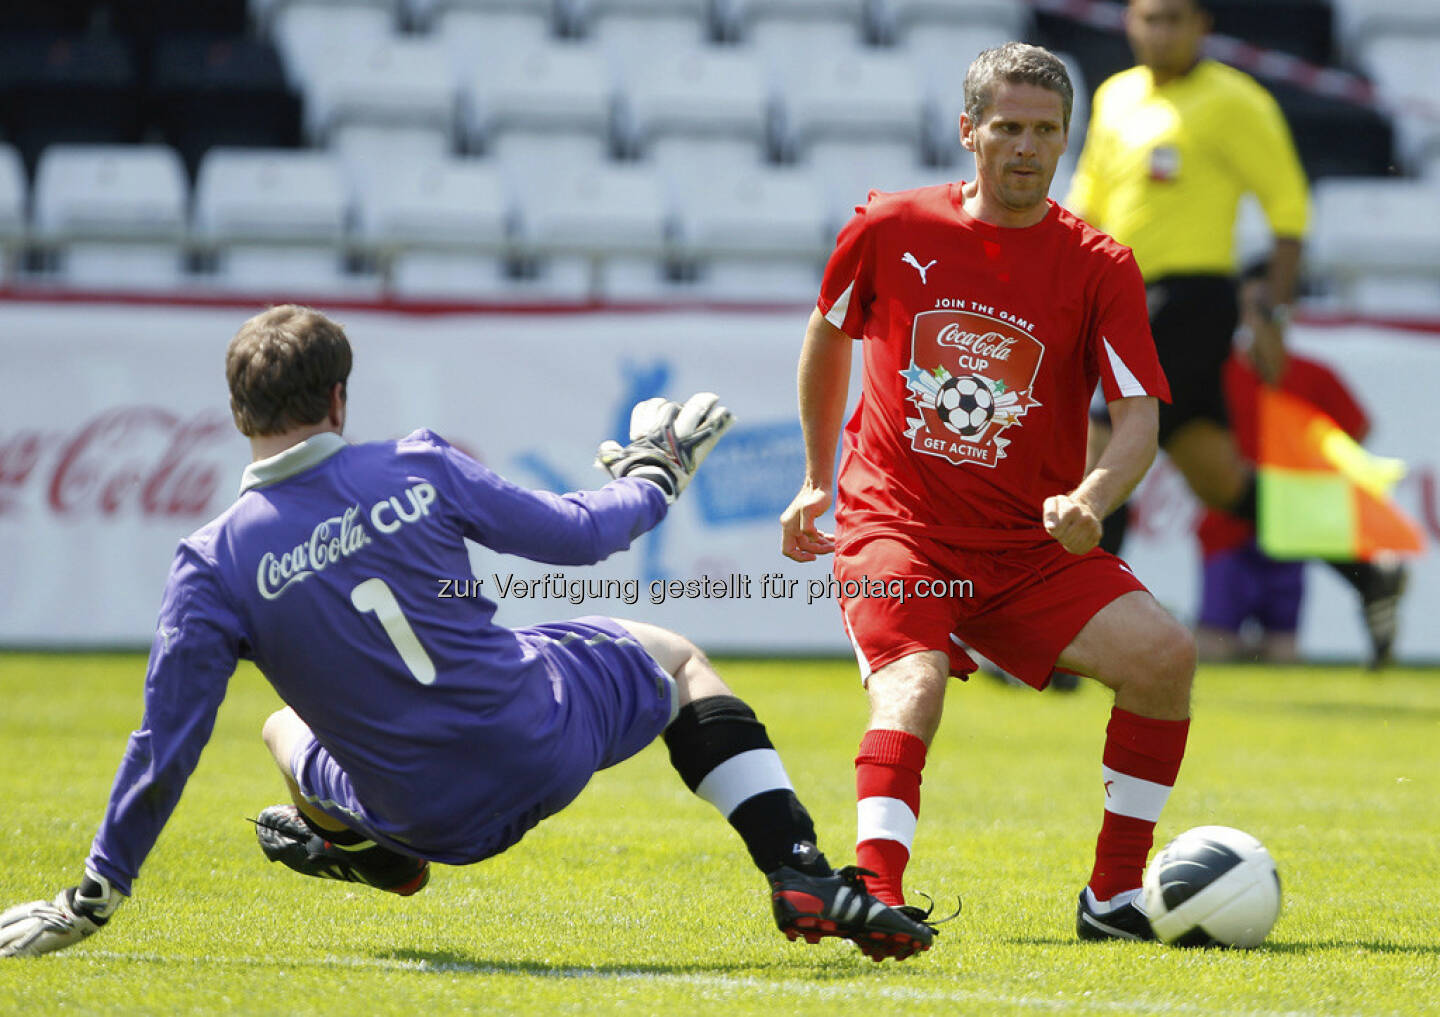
column 295, row 459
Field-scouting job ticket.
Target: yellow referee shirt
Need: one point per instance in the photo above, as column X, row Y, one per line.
column 1164, row 168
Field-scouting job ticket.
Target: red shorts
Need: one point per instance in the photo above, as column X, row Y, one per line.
column 1020, row 606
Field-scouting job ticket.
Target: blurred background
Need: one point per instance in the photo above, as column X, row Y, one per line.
column 615, row 150
column 531, row 213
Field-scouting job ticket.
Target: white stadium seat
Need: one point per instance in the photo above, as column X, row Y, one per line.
column 629, row 36
column 1364, row 227
column 1356, row 21
column 858, row 95
column 395, row 82
column 776, row 211
column 429, row 13
column 115, row 214
column 697, row 92
column 690, row 162
column 370, row 154
column 276, row 220
column 1406, row 71
column 128, row 192
column 472, row 39
column 263, row 13
column 312, row 36
column 595, row 209
column 850, row 170
column 1010, row 18
column 455, row 204
column 546, row 87
column 445, row 275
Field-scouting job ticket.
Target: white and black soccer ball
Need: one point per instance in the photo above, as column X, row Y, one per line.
column 1212, row 886
column 965, row 404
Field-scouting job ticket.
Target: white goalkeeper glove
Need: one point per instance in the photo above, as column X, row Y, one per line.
column 668, row 442
column 28, row 930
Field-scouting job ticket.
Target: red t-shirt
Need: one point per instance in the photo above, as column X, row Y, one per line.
column 982, row 347
column 1309, row 380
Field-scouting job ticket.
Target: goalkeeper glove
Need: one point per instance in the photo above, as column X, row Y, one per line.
column 668, row 442
column 28, row 930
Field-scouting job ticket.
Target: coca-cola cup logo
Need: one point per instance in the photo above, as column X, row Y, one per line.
column 131, row 460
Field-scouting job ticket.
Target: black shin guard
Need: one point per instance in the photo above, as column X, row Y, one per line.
column 775, row 826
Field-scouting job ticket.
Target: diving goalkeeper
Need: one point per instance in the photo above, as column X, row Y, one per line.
column 416, row 729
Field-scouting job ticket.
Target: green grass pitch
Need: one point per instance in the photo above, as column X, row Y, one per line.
column 639, row 900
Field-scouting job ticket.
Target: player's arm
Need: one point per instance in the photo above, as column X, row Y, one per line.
column 1265, row 158
column 193, row 655
column 824, row 383
column 668, row 442
column 1267, row 310
column 1074, row 519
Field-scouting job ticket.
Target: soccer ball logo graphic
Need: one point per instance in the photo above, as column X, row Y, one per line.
column 965, row 404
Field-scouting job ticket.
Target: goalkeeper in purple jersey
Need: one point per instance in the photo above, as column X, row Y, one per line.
column 415, row 728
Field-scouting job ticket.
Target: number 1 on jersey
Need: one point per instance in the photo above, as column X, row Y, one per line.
column 374, row 595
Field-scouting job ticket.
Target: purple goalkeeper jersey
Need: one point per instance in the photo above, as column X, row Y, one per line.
column 326, row 572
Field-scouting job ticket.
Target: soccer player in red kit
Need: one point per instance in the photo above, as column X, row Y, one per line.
column 988, row 314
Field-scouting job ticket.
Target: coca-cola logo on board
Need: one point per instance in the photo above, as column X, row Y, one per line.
column 131, row 460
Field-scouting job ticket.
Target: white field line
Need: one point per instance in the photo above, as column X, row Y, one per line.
column 727, row 985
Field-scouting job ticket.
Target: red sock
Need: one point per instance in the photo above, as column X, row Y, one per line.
column 1142, row 759
column 887, row 786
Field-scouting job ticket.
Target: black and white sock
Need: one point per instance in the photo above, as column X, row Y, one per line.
column 722, row 752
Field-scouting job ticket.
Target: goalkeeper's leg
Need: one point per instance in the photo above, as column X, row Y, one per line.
column 723, row 753
column 317, row 844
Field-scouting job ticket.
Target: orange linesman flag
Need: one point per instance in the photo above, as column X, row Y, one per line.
column 1321, row 494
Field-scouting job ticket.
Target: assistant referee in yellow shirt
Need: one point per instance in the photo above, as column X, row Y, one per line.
column 1174, row 143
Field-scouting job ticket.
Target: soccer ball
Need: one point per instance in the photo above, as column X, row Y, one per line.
column 1212, row 886
column 965, row 404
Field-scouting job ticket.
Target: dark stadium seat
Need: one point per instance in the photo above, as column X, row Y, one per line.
column 210, row 90
column 1302, row 28
column 1336, row 138
column 146, row 19
column 67, row 88
column 50, row 15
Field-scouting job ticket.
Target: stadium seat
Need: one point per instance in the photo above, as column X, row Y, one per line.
column 473, row 39
column 1372, row 227
column 941, row 54
column 849, row 170
column 1356, row 21
column 901, row 18
column 694, row 91
column 863, row 95
column 275, row 221
column 640, row 29
column 369, row 155
column 447, row 275
column 1385, row 295
column 398, row 81
column 1317, row 121
column 555, row 15
column 67, row 89
column 1406, row 72
column 630, row 280
column 208, row 89
column 129, row 192
column 313, row 36
column 449, row 204
column 594, row 209
column 769, row 211
column 536, row 159
column 264, row 13
column 114, row 213
column 550, row 87
column 690, row 162
column 759, row 280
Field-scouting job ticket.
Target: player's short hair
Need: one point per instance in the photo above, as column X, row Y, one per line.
column 281, row 367
column 1017, row 63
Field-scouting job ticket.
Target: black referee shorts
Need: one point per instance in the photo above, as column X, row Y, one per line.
column 1193, row 319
